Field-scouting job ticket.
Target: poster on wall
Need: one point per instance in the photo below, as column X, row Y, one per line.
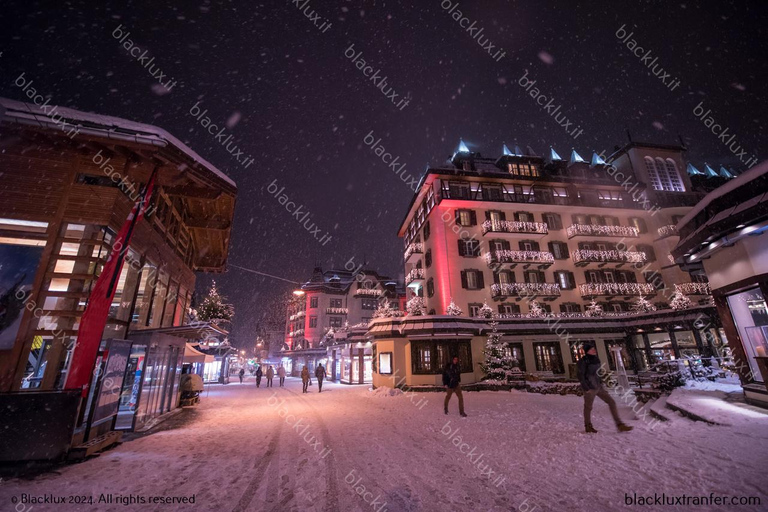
column 112, row 380
column 18, row 264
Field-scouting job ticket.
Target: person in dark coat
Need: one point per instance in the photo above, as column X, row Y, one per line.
column 259, row 375
column 452, row 383
column 270, row 376
column 305, row 379
column 320, row 374
column 241, row 374
column 593, row 387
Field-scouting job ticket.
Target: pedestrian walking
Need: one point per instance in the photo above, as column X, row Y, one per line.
column 593, row 387
column 259, row 374
column 320, row 374
column 305, row 378
column 452, row 383
column 270, row 376
column 281, row 375
column 241, row 374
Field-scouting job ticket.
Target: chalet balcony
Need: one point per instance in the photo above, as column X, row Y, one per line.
column 515, row 228
column 527, row 258
column 415, row 278
column 413, row 252
column 549, row 291
column 668, row 230
column 589, row 290
column 693, row 288
column 368, row 292
column 597, row 230
column 296, row 316
column 336, row 311
column 584, row 257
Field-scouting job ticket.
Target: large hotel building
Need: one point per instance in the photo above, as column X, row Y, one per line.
column 539, row 238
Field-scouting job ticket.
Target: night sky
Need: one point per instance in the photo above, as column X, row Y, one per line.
column 301, row 109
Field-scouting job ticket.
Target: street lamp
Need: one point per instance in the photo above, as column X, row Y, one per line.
column 298, row 293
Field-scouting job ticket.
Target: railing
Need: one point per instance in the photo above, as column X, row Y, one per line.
column 336, row 311
column 612, row 256
column 694, row 288
column 415, row 248
column 598, row 230
column 668, row 230
column 591, row 289
column 296, row 316
column 368, row 292
column 417, row 273
column 525, row 289
column 511, row 226
column 507, row 256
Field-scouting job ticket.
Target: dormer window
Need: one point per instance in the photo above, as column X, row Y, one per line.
column 522, row 169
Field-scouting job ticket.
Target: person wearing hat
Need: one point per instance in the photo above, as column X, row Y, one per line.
column 593, row 387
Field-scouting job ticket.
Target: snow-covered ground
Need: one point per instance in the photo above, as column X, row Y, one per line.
column 242, row 449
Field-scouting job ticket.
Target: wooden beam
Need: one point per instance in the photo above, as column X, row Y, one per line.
column 193, row 192
column 202, row 223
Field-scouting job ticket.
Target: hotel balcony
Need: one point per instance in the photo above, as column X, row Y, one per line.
column 584, row 257
column 549, row 291
column 515, row 228
column 413, row 252
column 589, row 290
column 596, row 230
column 668, row 230
column 296, row 316
column 336, row 311
column 368, row 292
column 693, row 288
column 527, row 258
column 415, row 278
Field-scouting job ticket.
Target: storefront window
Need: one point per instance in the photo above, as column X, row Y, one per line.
column 627, row 361
column 750, row 313
column 548, row 357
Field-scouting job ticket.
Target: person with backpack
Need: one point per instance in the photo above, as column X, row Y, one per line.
column 259, row 374
column 593, row 387
column 320, row 374
column 305, row 379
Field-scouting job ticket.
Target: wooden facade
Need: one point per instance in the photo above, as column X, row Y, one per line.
column 69, row 195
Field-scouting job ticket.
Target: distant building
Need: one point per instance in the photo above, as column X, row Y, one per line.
column 725, row 237
column 327, row 306
column 540, row 237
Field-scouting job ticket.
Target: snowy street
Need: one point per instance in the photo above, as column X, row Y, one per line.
column 257, row 449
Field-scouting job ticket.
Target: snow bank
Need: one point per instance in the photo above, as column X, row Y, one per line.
column 711, row 406
column 384, row 391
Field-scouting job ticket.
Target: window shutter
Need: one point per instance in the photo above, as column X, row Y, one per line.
column 501, row 309
column 464, row 279
column 487, row 215
column 480, row 281
column 551, row 246
column 457, row 217
column 511, row 277
column 571, row 280
column 496, row 277
column 535, row 246
column 473, row 218
column 462, row 247
column 505, row 244
column 502, row 216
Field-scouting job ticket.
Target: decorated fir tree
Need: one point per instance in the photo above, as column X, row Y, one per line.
column 383, row 310
column 486, row 311
column 453, row 309
column 499, row 363
column 643, row 305
column 680, row 301
column 594, row 309
column 536, row 311
column 415, row 306
column 214, row 308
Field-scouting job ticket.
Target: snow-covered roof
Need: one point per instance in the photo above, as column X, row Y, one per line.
column 114, row 128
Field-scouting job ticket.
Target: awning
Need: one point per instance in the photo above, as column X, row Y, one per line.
column 192, row 355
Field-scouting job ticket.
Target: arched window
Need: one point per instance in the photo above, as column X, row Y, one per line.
column 653, row 174
column 674, row 176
